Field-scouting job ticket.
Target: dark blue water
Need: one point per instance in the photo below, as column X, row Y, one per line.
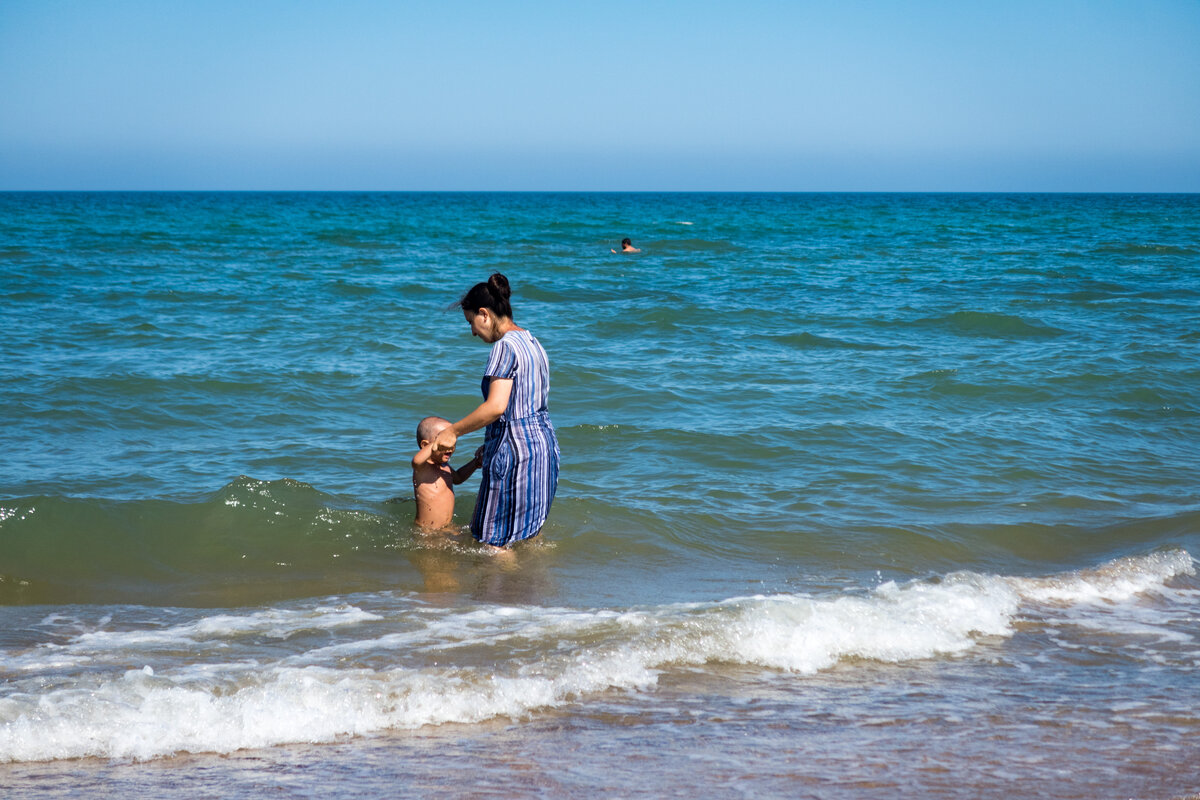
column 833, row 466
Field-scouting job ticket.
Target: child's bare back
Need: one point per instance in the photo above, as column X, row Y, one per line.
column 433, row 478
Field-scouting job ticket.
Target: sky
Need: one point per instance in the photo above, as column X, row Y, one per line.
column 745, row 95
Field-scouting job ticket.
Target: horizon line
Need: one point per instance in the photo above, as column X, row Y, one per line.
column 606, row 191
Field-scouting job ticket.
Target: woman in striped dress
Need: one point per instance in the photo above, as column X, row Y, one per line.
column 520, row 450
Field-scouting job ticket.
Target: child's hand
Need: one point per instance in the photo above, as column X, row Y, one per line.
column 479, row 456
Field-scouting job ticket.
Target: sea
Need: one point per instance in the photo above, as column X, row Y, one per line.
column 862, row 495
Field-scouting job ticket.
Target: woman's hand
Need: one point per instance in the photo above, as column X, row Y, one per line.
column 444, row 442
column 490, row 410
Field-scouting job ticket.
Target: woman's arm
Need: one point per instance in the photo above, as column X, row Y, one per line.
column 499, row 390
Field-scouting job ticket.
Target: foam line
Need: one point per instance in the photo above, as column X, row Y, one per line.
column 538, row 658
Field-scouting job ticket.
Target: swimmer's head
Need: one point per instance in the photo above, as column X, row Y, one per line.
column 626, row 242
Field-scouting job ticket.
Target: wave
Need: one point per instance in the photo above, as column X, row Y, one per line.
column 811, row 340
column 256, row 541
column 353, row 238
column 256, row 535
column 670, row 246
column 1136, row 249
column 331, row 670
column 990, row 324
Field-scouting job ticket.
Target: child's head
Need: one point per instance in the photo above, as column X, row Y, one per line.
column 429, row 428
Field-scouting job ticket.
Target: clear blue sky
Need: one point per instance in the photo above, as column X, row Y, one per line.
column 1039, row 95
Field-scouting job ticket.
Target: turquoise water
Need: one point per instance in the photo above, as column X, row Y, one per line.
column 859, row 492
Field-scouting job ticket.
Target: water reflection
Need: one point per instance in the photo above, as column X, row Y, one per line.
column 452, row 565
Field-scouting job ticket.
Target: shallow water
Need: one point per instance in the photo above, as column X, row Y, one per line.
column 859, row 493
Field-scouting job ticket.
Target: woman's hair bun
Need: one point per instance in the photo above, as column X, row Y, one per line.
column 499, row 286
column 493, row 294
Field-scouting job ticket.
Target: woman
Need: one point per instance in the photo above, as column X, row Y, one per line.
column 520, row 450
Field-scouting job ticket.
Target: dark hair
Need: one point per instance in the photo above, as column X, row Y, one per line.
column 493, row 295
column 626, row 242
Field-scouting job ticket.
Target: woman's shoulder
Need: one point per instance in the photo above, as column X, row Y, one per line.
column 519, row 344
column 506, row 342
column 516, row 337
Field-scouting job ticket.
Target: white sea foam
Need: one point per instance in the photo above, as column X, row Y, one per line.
column 1127, row 597
column 209, row 634
column 434, row 665
column 1113, row 582
column 272, row 622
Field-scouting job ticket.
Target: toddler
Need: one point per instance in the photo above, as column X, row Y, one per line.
column 433, row 478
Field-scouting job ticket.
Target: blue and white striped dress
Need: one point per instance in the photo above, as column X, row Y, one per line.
column 520, row 455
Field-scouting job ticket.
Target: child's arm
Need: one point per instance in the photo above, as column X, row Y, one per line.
column 423, row 456
column 467, row 469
